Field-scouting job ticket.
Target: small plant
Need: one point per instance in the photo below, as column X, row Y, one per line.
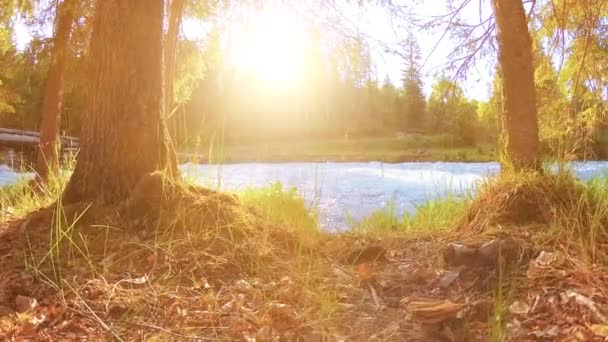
column 433, row 215
column 385, row 219
column 437, row 214
column 281, row 206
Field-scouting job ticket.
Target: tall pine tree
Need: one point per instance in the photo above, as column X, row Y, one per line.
column 414, row 103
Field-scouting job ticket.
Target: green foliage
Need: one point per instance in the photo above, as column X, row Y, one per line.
column 489, row 113
column 190, row 69
column 281, row 206
column 450, row 111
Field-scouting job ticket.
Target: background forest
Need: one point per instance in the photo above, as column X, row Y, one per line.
column 338, row 93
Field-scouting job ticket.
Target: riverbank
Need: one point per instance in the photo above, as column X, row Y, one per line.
column 523, row 260
column 411, row 148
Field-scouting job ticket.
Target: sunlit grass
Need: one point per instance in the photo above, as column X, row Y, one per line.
column 433, row 215
column 23, row 197
column 281, row 206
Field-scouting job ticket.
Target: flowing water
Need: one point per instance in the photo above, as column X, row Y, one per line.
column 341, row 191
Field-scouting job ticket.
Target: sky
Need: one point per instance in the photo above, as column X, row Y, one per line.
column 436, row 51
column 385, row 30
column 381, row 30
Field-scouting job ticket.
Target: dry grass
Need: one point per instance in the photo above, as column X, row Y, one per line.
column 554, row 210
column 181, row 262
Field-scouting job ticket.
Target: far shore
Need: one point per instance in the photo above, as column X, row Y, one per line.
column 415, row 148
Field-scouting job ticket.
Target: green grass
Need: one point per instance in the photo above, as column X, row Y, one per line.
column 21, row 198
column 432, row 215
column 281, row 206
column 413, row 147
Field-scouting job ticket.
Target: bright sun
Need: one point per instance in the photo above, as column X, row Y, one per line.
column 270, row 45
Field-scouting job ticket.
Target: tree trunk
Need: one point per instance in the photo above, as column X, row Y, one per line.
column 48, row 159
column 518, row 91
column 124, row 136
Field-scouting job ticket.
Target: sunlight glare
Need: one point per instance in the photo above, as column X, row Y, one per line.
column 271, row 47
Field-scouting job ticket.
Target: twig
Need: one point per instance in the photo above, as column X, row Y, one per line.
column 589, row 304
column 374, row 295
column 155, row 327
column 99, row 320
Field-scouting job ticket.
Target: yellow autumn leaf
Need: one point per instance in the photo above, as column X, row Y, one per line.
column 599, row 329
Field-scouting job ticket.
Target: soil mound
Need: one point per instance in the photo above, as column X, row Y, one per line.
column 521, row 200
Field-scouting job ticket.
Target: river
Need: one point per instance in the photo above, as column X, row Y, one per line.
column 341, row 190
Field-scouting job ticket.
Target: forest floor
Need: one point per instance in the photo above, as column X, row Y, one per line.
column 411, row 148
column 201, row 265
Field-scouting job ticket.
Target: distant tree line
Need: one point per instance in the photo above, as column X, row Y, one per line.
column 340, row 94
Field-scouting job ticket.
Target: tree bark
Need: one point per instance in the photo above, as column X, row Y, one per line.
column 48, row 159
column 518, row 90
column 124, row 137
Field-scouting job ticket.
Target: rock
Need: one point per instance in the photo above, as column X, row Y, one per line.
column 366, row 255
column 490, row 251
column 24, row 303
column 458, row 255
column 487, row 254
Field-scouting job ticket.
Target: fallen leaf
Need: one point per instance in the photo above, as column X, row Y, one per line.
column 448, row 278
column 242, row 285
column 545, row 266
column 545, row 259
column 599, row 329
column 229, row 306
column 38, row 319
column 549, row 332
column 519, row 308
column 138, row 281
column 587, row 303
column 365, row 271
